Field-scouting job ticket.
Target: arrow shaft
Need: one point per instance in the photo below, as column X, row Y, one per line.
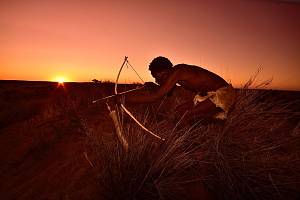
column 108, row 97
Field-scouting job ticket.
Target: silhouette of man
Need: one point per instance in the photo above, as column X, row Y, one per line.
column 214, row 96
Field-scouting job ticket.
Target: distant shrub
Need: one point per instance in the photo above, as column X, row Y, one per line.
column 96, row 81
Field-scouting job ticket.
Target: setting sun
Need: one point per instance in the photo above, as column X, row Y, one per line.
column 60, row 79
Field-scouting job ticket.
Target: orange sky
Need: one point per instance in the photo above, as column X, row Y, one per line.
column 87, row 39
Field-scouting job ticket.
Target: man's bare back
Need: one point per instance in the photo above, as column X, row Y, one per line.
column 197, row 79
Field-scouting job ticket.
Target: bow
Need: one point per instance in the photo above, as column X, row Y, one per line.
column 125, row 109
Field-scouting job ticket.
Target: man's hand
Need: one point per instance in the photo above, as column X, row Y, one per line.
column 115, row 100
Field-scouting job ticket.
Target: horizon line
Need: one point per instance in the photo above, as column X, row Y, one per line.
column 109, row 81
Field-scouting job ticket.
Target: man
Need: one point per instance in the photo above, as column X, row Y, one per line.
column 214, row 96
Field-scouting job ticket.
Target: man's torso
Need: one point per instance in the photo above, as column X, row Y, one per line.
column 198, row 79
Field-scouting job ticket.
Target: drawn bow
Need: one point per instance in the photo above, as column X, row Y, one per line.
column 126, row 110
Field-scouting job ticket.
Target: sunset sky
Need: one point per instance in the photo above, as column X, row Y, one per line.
column 81, row 40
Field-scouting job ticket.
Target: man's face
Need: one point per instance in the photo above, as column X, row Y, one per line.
column 160, row 77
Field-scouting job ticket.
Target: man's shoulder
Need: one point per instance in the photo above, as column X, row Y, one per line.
column 181, row 65
column 184, row 67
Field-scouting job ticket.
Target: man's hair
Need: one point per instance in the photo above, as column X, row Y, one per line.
column 159, row 64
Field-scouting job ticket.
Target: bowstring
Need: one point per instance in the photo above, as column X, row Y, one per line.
column 127, row 63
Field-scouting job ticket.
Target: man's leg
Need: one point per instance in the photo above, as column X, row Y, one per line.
column 204, row 110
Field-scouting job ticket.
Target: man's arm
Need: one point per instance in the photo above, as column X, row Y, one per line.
column 152, row 96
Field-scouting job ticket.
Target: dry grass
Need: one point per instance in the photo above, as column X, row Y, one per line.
column 256, row 154
column 253, row 155
column 151, row 169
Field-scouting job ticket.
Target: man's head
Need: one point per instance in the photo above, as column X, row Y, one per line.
column 160, row 68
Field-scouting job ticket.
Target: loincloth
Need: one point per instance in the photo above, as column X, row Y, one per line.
column 223, row 98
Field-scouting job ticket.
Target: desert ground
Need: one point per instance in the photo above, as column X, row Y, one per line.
column 56, row 144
